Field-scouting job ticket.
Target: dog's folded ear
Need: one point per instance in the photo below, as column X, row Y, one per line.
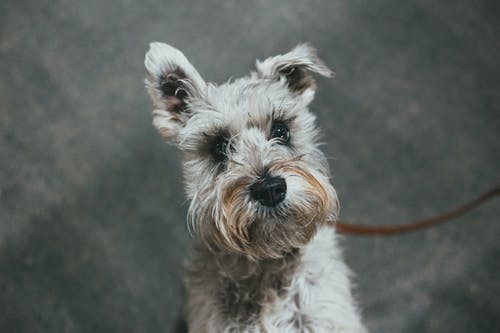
column 294, row 68
column 171, row 81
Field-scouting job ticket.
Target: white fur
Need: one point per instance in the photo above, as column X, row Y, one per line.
column 321, row 285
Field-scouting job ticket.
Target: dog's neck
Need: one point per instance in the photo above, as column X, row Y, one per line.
column 239, row 266
column 243, row 284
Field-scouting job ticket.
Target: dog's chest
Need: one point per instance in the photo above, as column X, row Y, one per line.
column 243, row 296
column 309, row 292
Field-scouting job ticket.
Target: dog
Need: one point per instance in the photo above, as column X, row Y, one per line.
column 265, row 256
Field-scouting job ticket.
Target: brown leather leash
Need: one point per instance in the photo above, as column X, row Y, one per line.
column 386, row 230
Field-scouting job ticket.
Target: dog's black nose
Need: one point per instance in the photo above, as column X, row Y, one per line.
column 269, row 191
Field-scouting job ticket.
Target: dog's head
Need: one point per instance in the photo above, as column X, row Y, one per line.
column 257, row 182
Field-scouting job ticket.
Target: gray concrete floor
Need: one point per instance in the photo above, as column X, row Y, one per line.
column 92, row 223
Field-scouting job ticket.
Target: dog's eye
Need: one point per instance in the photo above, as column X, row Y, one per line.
column 280, row 131
column 219, row 148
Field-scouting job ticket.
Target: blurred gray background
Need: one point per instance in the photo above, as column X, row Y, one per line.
column 92, row 216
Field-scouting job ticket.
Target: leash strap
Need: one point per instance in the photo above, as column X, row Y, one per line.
column 386, row 230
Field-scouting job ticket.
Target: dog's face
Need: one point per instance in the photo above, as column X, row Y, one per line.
column 257, row 182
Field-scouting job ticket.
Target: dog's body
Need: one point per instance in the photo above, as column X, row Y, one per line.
column 265, row 259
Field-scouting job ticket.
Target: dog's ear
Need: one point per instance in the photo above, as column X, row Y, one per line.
column 171, row 82
column 294, row 68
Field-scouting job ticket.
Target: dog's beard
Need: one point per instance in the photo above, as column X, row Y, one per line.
column 238, row 224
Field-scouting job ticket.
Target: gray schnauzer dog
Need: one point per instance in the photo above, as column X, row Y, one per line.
column 266, row 257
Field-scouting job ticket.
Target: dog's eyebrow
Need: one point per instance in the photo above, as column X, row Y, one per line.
column 284, row 112
column 281, row 115
column 264, row 118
